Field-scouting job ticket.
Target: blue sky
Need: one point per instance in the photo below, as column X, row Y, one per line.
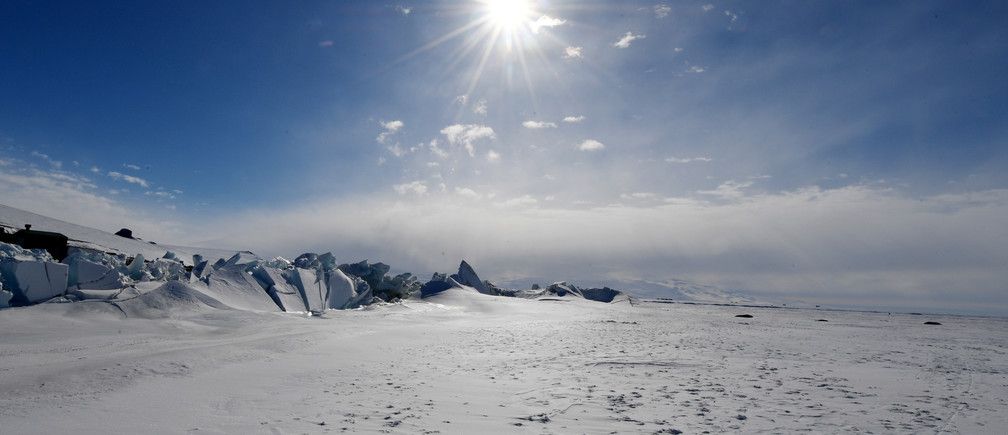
column 834, row 151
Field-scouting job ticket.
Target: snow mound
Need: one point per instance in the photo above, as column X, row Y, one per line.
column 174, row 297
column 238, row 289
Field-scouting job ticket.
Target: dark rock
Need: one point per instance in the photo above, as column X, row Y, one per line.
column 932, row 323
column 744, row 316
column 125, row 232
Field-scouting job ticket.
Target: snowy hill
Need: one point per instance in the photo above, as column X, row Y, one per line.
column 15, row 219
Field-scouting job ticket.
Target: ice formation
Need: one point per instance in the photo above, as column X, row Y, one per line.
column 244, row 281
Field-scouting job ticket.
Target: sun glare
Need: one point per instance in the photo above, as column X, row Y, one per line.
column 508, row 14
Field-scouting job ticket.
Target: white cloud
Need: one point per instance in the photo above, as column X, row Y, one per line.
column 574, row 119
column 405, row 10
column 128, row 178
column 591, row 145
column 536, row 125
column 628, row 38
column 414, row 187
column 96, row 169
column 545, row 21
column 572, row 52
column 462, row 100
column 688, row 159
column 521, row 201
column 639, row 195
column 388, row 129
column 131, row 166
column 467, row 192
column 480, row 108
column 697, row 69
column 467, row 134
column 493, row 156
column 662, row 10
column 707, row 7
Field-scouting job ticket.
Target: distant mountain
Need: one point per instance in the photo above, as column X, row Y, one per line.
column 674, row 289
column 680, row 290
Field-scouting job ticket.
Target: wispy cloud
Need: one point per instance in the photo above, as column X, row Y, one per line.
column 436, row 149
column 574, row 119
column 728, row 190
column 662, row 10
column 52, row 162
column 467, row 192
column 537, row 125
column 388, row 129
column 493, row 156
column 326, row 43
column 414, row 187
column 128, row 178
column 591, row 145
column 521, row 201
column 74, row 198
column 545, row 21
column 707, row 7
column 467, row 135
column 405, row 10
column 572, row 52
column 480, row 108
column 687, row 159
column 639, row 195
column 131, row 166
column 627, row 39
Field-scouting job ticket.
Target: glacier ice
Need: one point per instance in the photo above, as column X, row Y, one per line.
column 236, row 288
column 34, row 281
column 312, row 286
column 283, row 293
column 136, row 268
column 341, row 290
column 467, row 276
column 244, row 260
column 85, row 274
column 5, row 297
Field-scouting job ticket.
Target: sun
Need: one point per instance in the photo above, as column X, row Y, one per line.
column 508, row 15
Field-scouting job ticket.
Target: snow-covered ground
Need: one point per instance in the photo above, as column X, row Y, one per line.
column 465, row 362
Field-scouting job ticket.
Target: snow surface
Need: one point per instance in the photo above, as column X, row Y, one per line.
column 215, row 353
column 176, row 360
